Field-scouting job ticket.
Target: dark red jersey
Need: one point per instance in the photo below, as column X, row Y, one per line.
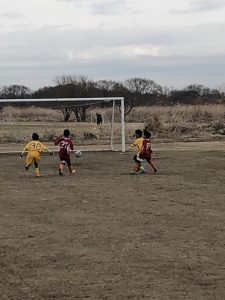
column 65, row 144
column 146, row 148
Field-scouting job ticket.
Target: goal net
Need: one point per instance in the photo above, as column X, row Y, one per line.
column 95, row 123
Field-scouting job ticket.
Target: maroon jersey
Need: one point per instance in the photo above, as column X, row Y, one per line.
column 146, row 148
column 66, row 145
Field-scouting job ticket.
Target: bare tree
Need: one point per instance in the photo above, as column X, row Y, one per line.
column 15, row 92
column 67, row 112
column 140, row 86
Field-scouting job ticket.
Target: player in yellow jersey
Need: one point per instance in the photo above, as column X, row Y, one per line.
column 34, row 150
column 137, row 143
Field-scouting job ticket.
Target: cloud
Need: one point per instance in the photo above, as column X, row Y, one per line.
column 167, row 71
column 103, row 7
column 74, row 0
column 11, row 15
column 198, row 6
column 168, row 56
column 56, row 43
column 109, row 7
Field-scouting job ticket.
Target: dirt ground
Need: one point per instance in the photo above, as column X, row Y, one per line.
column 104, row 234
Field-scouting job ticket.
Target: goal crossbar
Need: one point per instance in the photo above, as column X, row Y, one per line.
column 103, row 99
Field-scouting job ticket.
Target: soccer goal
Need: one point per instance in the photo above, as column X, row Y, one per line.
column 116, row 125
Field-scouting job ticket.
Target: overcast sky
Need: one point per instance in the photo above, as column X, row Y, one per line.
column 174, row 42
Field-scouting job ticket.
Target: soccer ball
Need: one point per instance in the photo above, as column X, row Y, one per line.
column 78, row 154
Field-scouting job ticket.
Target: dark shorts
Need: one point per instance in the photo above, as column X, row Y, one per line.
column 146, row 157
column 64, row 158
column 140, row 158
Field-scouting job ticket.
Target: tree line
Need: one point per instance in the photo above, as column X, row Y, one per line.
column 136, row 91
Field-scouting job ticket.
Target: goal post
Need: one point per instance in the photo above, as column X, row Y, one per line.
column 85, row 101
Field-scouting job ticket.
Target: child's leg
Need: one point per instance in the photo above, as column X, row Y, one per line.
column 61, row 166
column 29, row 161
column 37, row 173
column 27, row 167
column 71, row 170
column 137, row 163
column 70, row 167
column 152, row 164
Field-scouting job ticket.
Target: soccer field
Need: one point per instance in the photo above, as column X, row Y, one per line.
column 104, row 234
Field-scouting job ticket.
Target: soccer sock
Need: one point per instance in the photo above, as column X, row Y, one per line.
column 142, row 168
column 37, row 173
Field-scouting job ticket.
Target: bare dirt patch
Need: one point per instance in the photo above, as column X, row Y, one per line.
column 104, row 234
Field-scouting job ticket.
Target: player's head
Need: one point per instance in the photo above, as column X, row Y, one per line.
column 147, row 134
column 66, row 133
column 35, row 136
column 138, row 133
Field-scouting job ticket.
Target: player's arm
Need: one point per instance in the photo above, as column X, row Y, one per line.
column 49, row 151
column 134, row 144
column 25, row 149
column 56, row 140
column 71, row 146
column 45, row 148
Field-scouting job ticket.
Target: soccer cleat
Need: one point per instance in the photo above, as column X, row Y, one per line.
column 73, row 172
column 140, row 172
column 133, row 172
column 60, row 172
column 155, row 170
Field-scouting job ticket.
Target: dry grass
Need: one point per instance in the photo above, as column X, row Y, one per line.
column 34, row 114
column 165, row 122
column 83, row 133
column 187, row 120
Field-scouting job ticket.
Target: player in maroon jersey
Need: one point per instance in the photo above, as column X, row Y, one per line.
column 146, row 151
column 66, row 146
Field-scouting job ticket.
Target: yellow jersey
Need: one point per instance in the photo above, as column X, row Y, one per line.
column 138, row 143
column 35, row 147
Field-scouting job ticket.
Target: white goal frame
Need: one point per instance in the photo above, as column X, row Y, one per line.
column 102, row 99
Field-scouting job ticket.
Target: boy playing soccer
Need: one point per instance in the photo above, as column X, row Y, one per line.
column 34, row 150
column 137, row 143
column 66, row 146
column 145, row 153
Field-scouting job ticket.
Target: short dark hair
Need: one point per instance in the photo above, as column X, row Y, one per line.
column 66, row 132
column 147, row 134
column 35, row 136
column 138, row 132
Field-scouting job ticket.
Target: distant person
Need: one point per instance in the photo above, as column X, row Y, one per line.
column 66, row 146
column 99, row 118
column 34, row 150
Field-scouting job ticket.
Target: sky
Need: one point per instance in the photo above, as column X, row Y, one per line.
column 173, row 42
